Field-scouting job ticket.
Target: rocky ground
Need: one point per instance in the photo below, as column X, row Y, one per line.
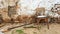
column 54, row 28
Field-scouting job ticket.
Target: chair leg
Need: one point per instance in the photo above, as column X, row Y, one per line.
column 47, row 22
column 38, row 20
column 48, row 25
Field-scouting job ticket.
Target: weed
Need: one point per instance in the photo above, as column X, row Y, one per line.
column 20, row 31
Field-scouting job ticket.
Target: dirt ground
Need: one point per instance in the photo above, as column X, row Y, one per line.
column 54, row 28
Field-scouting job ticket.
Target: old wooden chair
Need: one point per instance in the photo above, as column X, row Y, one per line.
column 40, row 14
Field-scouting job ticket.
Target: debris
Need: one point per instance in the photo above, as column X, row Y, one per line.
column 30, row 27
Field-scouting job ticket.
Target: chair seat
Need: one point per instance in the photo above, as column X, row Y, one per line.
column 41, row 16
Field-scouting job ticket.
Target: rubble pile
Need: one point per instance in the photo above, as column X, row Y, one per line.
column 13, row 8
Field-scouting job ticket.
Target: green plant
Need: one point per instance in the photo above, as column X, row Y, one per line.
column 20, row 31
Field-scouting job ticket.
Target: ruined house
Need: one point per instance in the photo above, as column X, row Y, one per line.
column 9, row 8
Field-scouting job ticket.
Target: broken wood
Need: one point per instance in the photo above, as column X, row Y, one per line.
column 8, row 29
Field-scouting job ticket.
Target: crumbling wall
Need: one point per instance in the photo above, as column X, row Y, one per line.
column 25, row 7
column 4, row 9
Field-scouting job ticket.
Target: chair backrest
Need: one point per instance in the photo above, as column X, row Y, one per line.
column 40, row 11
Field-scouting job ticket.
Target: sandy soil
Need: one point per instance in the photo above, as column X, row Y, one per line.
column 54, row 29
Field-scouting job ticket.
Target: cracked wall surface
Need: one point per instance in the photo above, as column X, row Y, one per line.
column 25, row 7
